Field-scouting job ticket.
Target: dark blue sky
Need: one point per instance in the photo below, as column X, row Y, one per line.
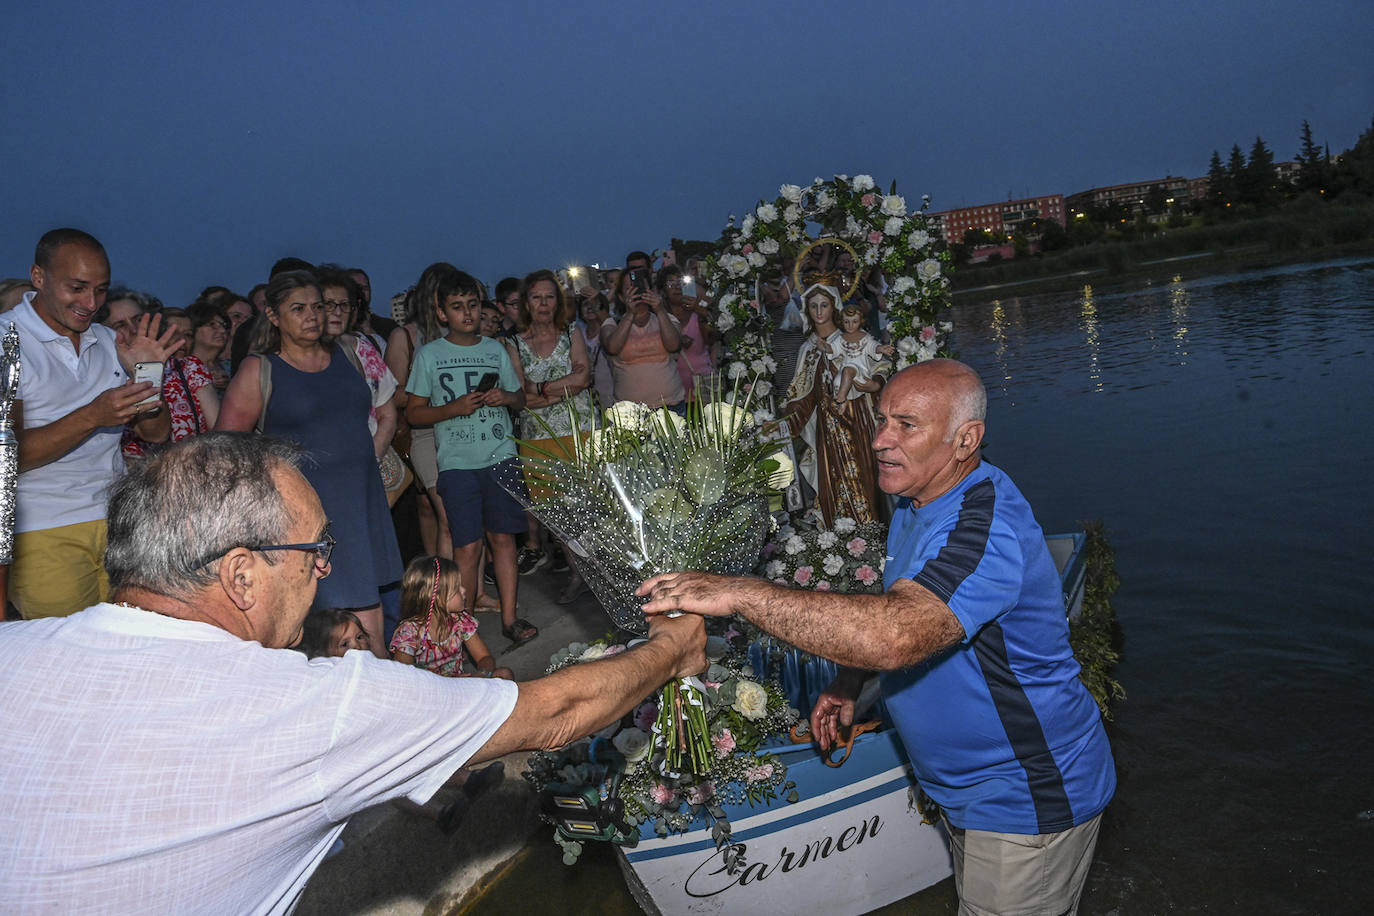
column 201, row 142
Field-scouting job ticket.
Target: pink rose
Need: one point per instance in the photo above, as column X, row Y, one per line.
column 866, row 574
column 754, row 304
column 875, row 237
column 701, row 793
column 613, row 650
column 724, row 744
column 760, row 773
column 662, row 794
column 748, row 249
column 857, row 547
column 927, row 334
column 803, row 575
column 645, row 716
column 868, row 199
column 823, row 586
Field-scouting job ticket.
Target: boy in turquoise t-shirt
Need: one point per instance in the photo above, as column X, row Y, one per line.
column 465, row 385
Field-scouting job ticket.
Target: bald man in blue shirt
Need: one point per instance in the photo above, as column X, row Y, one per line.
column 972, row 646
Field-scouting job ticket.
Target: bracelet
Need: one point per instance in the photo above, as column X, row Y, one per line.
column 490, row 673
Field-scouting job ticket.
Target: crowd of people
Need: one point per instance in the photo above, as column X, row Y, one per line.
column 220, row 473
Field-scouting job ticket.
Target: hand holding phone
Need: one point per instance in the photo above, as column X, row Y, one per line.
column 689, row 287
column 149, row 372
column 488, row 382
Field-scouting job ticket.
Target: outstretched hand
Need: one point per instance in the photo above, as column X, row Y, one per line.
column 694, row 592
column 834, row 709
column 147, row 345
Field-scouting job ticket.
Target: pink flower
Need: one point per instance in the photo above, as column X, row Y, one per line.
column 645, row 716
column 754, row 304
column 724, row 744
column 823, row 586
column 701, row 793
column 748, row 248
column 927, row 334
column 613, row 650
column 866, row 574
column 875, row 237
column 868, row 199
column 731, row 632
column 779, row 581
column 662, row 794
column 760, row 773
column 857, row 547
column 803, row 575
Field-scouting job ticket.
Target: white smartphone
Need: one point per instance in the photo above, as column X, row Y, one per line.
column 689, row 286
column 149, row 372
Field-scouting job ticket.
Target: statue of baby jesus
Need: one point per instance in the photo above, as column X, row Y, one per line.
column 861, row 360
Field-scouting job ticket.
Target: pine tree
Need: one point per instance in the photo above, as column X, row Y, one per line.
column 1258, row 185
column 1313, row 168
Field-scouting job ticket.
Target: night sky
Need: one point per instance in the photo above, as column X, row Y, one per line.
column 201, row 142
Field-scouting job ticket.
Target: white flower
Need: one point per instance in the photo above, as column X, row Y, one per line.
column 851, row 226
column 903, row 285
column 928, row 270
column 825, row 200
column 791, row 193
column 893, row 226
column 794, row 545
column 794, row 233
column 757, row 367
column 768, row 245
column 746, row 228
column 725, row 419
column 918, row 239
column 893, row 205
column 751, row 338
column 592, row 653
column 756, row 259
column 871, row 255
column 633, row 742
column 737, row 369
column 792, row 213
column 664, row 424
column 767, row 212
column 762, row 416
column 844, row 524
column 863, row 183
column 774, row 569
column 736, row 265
column 762, row 387
column 783, row 476
column 907, row 345
column 599, row 445
column 725, row 321
column 817, row 181
column 630, row 415
column 751, row 700
column 826, row 539
column 833, row 564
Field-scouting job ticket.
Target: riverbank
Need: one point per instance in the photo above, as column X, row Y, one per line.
column 979, row 285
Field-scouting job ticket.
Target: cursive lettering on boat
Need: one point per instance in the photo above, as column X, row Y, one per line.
column 713, row 876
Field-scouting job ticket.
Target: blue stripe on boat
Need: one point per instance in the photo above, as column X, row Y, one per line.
column 902, row 782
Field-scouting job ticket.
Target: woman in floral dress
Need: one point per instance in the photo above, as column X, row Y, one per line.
column 551, row 356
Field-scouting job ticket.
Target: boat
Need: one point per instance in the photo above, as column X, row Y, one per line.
column 855, row 839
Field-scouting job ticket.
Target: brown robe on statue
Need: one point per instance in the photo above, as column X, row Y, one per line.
column 841, row 467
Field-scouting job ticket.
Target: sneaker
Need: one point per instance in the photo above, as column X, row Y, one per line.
column 530, row 559
column 558, row 559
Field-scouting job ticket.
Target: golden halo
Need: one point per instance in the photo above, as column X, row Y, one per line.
column 828, row 240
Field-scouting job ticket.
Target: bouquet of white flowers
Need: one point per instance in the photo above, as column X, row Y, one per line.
column 650, row 492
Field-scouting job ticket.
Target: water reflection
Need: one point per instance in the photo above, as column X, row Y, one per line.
column 1178, row 311
column 1092, row 343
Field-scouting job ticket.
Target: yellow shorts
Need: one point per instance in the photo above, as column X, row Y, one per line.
column 561, row 448
column 59, row 571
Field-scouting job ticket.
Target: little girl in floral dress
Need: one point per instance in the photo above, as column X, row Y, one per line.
column 436, row 633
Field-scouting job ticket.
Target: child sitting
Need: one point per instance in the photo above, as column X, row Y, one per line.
column 435, row 632
column 858, row 357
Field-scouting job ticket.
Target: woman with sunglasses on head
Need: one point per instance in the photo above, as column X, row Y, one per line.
column 301, row 386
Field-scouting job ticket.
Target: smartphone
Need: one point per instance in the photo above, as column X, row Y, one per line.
column 488, row 382
column 639, row 279
column 149, row 372
column 689, row 286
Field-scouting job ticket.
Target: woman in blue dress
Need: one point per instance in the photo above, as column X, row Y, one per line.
column 311, row 392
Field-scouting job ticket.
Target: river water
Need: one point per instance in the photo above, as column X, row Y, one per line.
column 1221, row 428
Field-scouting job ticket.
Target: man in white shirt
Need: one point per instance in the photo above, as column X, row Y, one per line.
column 74, row 398
column 168, row 754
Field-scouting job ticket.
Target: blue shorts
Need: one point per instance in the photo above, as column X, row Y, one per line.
column 475, row 502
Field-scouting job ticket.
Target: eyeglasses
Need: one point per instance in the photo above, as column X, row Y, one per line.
column 323, row 549
column 335, row 307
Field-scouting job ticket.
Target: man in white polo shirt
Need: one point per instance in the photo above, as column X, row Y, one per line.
column 75, row 395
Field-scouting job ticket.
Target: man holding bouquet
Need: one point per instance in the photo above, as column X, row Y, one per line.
column 971, row 643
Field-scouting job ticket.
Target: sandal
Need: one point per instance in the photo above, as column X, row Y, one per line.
column 520, row 632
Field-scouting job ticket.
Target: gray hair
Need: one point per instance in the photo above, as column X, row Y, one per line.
column 177, row 512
